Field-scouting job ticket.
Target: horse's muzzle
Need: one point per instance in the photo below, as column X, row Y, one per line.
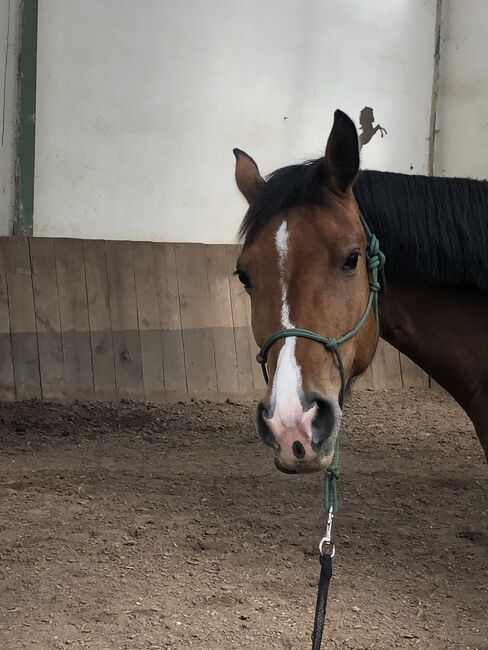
column 304, row 441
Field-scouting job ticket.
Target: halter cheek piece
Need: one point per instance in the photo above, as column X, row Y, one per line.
column 375, row 263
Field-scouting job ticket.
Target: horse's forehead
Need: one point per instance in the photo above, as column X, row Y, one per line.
column 302, row 230
column 306, row 230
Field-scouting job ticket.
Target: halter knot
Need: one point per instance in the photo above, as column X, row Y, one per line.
column 331, row 343
column 375, row 286
column 376, row 264
column 334, row 473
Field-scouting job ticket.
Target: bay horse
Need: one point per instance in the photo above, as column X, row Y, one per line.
column 304, row 264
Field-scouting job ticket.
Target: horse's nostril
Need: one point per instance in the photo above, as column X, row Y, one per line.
column 298, row 450
column 324, row 421
column 264, row 431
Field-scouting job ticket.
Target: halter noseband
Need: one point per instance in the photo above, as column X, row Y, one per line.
column 375, row 263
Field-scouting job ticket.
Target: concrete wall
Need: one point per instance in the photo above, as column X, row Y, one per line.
column 9, row 44
column 462, row 141
column 140, row 104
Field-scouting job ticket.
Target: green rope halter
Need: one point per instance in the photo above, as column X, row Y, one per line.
column 375, row 264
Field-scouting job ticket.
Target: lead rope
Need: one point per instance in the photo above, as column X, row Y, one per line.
column 326, row 546
column 377, row 282
column 375, row 266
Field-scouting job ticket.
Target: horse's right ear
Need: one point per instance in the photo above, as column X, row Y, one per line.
column 341, row 162
column 248, row 178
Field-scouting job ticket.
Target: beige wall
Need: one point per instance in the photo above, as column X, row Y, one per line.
column 462, row 141
column 9, row 43
column 140, row 103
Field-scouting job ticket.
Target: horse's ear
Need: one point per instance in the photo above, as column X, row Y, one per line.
column 341, row 162
column 248, row 178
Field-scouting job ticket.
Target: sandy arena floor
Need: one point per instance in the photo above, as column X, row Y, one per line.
column 141, row 528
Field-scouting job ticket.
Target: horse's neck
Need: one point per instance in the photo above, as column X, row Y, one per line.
column 441, row 330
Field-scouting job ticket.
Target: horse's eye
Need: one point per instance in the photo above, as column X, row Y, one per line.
column 243, row 278
column 351, row 262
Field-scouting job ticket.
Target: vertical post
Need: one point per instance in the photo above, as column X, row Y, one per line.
column 435, row 87
column 434, row 100
column 23, row 219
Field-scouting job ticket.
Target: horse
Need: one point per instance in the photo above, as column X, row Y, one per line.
column 306, row 265
column 366, row 119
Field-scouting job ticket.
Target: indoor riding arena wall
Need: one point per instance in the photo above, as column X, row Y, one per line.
column 159, row 322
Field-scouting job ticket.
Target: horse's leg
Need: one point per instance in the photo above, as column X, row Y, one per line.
column 478, row 414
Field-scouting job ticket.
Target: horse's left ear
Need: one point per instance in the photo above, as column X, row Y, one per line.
column 341, row 162
column 248, row 178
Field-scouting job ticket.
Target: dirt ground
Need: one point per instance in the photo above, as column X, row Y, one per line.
column 141, row 528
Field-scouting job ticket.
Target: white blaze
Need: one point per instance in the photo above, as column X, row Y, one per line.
column 287, row 382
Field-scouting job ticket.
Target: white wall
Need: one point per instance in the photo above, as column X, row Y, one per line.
column 9, row 43
column 462, row 141
column 140, row 103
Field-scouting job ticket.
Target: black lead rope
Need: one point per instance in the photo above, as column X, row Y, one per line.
column 321, row 606
column 327, row 552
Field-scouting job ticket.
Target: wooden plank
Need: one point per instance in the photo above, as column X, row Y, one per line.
column 195, row 318
column 100, row 321
column 22, row 318
column 386, row 367
column 242, row 332
column 46, row 306
column 149, row 322
column 438, row 388
column 412, row 375
column 123, row 306
column 170, row 322
column 73, row 311
column 7, row 383
column 365, row 381
column 220, row 312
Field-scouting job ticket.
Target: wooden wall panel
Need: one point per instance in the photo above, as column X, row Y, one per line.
column 100, row 321
column 125, row 326
column 7, row 382
column 171, row 336
column 25, row 353
column 201, row 373
column 48, row 323
column 386, row 370
column 412, row 375
column 149, row 321
column 156, row 322
column 220, row 320
column 365, row 381
column 73, row 312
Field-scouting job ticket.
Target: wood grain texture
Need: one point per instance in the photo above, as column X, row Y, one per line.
column 25, row 354
column 125, row 326
column 221, row 322
column 166, row 282
column 48, row 322
column 7, row 381
column 412, row 375
column 149, row 321
column 386, row 370
column 196, row 321
column 73, row 311
column 100, row 320
column 145, row 321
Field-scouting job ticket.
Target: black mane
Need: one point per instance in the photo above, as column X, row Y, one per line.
column 285, row 188
column 432, row 229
